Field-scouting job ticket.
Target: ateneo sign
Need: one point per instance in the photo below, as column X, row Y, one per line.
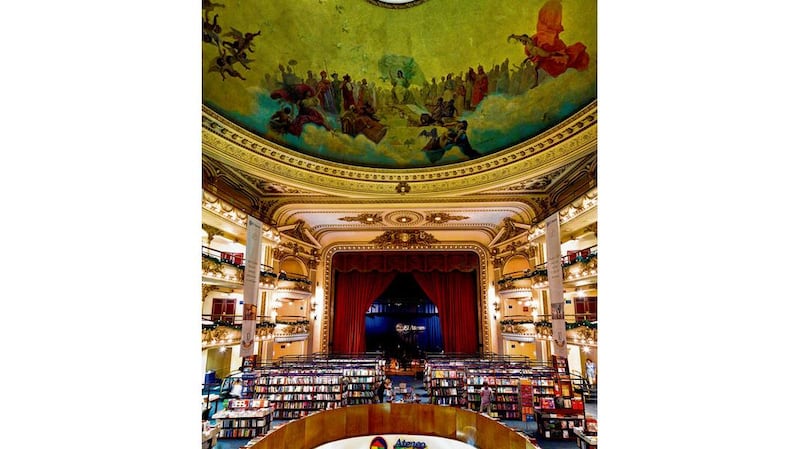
column 404, row 444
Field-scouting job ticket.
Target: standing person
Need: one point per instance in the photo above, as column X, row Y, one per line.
column 590, row 372
column 348, row 90
column 486, row 398
column 380, row 391
column 481, row 87
column 236, row 390
column 387, row 385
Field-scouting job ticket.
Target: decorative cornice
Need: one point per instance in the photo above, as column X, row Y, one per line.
column 570, row 140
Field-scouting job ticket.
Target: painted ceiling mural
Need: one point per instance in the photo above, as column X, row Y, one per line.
column 398, row 84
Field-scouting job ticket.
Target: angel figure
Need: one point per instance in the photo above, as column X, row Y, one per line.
column 546, row 50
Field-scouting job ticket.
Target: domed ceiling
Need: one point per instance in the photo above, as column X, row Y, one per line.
column 398, row 84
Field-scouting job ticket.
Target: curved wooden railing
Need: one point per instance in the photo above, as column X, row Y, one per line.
column 394, row 418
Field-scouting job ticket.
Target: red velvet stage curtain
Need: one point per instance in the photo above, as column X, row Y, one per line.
column 454, row 293
column 355, row 292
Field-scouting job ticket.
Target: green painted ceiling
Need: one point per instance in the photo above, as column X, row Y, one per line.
column 398, row 51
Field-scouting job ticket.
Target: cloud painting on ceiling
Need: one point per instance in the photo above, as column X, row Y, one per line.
column 442, row 82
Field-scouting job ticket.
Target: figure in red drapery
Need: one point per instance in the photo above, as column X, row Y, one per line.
column 546, row 50
column 480, row 88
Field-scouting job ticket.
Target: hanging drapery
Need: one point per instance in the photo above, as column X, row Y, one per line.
column 405, row 262
column 448, row 279
column 355, row 292
column 454, row 294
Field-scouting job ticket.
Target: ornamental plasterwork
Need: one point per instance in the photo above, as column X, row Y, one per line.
column 404, row 239
column 366, row 219
column 537, row 184
column 269, row 187
column 404, row 218
column 443, row 217
column 212, row 231
column 483, row 316
column 570, row 140
column 287, row 210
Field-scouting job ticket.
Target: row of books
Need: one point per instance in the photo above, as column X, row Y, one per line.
column 306, row 405
column 281, row 397
column 304, row 380
column 301, row 389
column 241, row 433
column 491, row 380
column 238, row 423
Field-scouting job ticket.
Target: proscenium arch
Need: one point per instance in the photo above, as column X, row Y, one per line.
column 484, row 337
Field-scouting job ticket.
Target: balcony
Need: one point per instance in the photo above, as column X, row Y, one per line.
column 293, row 286
column 521, row 328
column 227, row 269
column 579, row 268
column 226, row 330
column 524, row 329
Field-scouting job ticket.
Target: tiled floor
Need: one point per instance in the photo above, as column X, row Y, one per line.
column 527, row 427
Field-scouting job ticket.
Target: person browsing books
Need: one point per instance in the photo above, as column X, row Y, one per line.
column 380, row 390
column 486, row 398
column 236, row 389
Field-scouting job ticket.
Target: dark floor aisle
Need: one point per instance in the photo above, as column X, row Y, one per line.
column 526, row 427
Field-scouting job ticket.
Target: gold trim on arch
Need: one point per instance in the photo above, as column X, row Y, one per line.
column 482, row 280
column 572, row 139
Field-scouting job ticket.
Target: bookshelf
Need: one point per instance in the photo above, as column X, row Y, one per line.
column 359, row 385
column 244, row 418
column 446, row 385
column 558, row 412
column 297, row 392
column 504, row 382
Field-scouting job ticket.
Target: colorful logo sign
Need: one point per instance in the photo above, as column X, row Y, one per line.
column 378, row 443
column 405, row 444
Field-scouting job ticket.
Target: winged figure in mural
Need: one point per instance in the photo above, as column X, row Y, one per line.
column 545, row 50
column 439, row 144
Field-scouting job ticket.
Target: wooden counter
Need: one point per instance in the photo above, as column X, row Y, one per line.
column 392, row 418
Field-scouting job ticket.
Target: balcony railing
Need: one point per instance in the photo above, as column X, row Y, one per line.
column 575, row 264
column 233, row 259
column 525, row 328
column 229, row 266
column 226, row 329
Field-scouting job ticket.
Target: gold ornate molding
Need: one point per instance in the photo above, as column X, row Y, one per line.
column 366, row 219
column 483, row 316
column 404, row 239
column 443, row 217
column 568, row 141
